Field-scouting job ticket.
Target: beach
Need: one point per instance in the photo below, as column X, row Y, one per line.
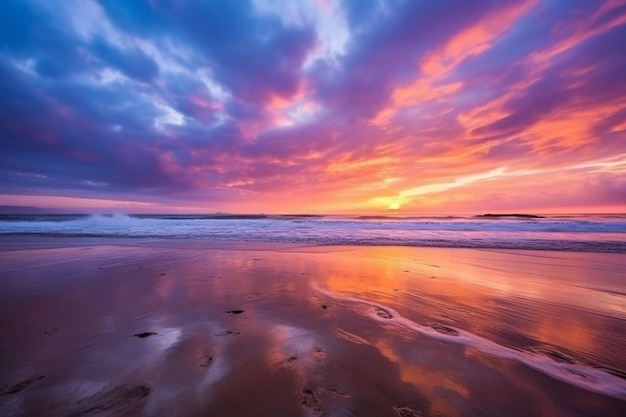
column 163, row 327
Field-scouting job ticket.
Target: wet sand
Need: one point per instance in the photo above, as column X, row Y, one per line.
column 162, row 328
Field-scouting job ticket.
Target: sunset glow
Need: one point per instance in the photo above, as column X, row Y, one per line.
column 313, row 106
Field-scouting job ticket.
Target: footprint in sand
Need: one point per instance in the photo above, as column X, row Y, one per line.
column 291, row 362
column 115, row 401
column 314, row 385
column 15, row 388
column 408, row 412
column 144, row 334
column 207, row 360
column 234, row 311
column 382, row 313
column 444, row 329
column 319, row 354
column 310, row 401
column 228, row 333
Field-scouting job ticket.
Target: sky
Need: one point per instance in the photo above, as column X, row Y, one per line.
column 313, row 106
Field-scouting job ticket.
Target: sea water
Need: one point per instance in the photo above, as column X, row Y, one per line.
column 588, row 233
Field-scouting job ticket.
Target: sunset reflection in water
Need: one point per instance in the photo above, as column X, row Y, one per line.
column 328, row 326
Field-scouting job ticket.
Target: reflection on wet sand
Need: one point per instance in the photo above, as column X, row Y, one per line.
column 147, row 329
column 530, row 303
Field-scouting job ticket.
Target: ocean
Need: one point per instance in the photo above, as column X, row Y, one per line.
column 569, row 232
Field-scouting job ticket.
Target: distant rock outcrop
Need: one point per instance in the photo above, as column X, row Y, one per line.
column 522, row 216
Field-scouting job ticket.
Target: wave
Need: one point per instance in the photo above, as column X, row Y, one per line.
column 595, row 234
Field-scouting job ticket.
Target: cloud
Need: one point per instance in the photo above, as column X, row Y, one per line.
column 252, row 56
column 312, row 105
column 133, row 62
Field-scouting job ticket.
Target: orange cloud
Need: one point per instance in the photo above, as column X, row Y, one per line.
column 438, row 64
column 597, row 24
column 474, row 40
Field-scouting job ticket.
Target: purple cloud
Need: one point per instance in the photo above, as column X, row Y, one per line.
column 163, row 100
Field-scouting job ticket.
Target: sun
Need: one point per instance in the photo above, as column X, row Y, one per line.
column 394, row 206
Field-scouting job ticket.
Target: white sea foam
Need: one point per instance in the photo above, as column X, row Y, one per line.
column 591, row 233
column 580, row 375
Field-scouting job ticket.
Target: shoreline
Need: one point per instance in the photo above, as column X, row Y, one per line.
column 10, row 242
column 310, row 329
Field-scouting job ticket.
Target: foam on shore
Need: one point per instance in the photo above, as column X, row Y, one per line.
column 551, row 363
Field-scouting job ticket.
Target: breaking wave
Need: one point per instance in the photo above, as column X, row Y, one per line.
column 575, row 233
